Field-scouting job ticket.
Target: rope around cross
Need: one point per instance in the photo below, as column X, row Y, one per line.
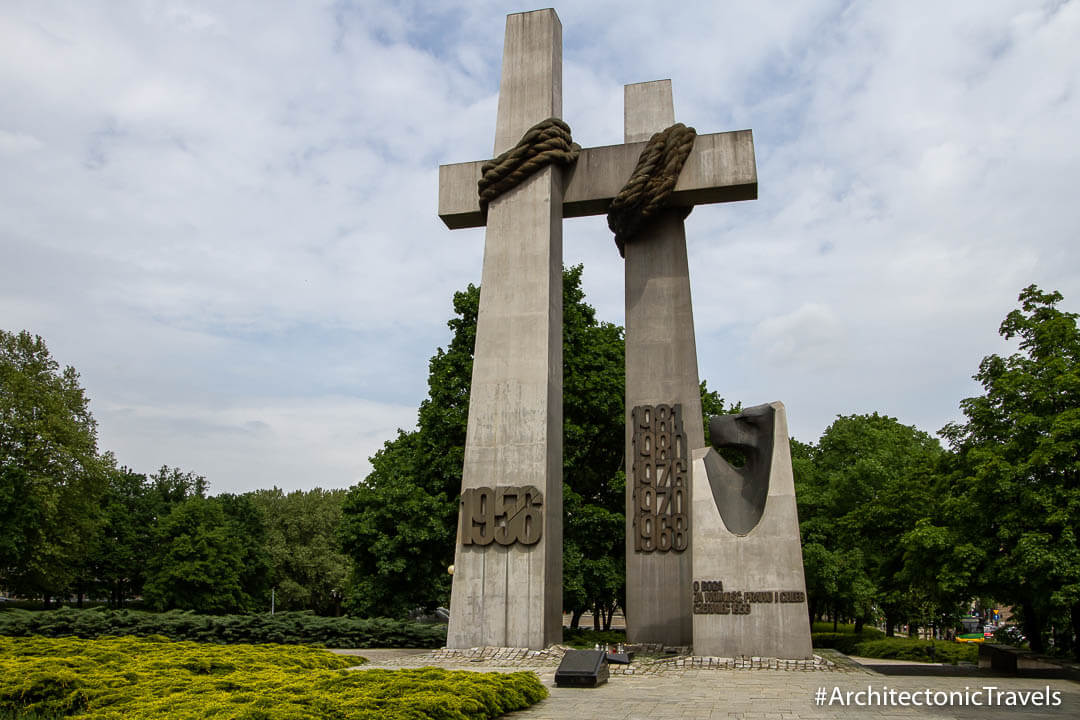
column 546, row 142
column 640, row 199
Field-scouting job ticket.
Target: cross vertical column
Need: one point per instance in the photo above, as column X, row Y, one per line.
column 510, row 594
column 661, row 373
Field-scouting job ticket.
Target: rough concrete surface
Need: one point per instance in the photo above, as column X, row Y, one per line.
column 768, row 558
column 512, row 595
column 684, row 692
column 661, row 368
column 720, row 168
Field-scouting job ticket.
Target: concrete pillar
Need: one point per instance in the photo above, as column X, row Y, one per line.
column 510, row 595
column 661, row 370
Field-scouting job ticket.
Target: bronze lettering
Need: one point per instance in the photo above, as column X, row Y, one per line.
column 710, row 598
column 661, row 479
column 504, row 515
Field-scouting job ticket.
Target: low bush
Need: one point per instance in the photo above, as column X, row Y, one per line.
column 867, row 632
column 942, row 651
column 844, row 642
column 139, row 678
column 291, row 627
column 844, row 639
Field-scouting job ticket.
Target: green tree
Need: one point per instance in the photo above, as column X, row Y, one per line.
column 246, row 523
column 399, row 525
column 860, row 490
column 198, row 563
column 50, row 476
column 1017, row 470
column 172, row 486
column 116, row 566
column 594, row 482
column 308, row 569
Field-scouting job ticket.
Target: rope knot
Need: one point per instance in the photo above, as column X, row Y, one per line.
column 651, row 183
column 546, row 142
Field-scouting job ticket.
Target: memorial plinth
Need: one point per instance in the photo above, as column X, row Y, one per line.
column 748, row 591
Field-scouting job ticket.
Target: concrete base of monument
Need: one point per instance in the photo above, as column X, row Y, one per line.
column 748, row 588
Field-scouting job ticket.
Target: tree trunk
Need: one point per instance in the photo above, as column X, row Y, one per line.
column 1076, row 630
column 1033, row 627
column 835, row 620
column 596, row 617
column 858, row 625
column 575, row 618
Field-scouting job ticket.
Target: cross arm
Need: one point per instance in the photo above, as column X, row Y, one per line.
column 720, row 168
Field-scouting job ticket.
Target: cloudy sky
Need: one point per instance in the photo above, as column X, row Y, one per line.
column 224, row 214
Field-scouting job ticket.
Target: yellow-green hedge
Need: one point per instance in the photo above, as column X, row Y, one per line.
column 114, row 678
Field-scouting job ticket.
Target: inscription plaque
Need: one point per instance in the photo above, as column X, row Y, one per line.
column 710, row 598
column 661, row 480
column 504, row 515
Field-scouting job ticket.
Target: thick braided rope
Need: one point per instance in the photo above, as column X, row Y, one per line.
column 652, row 181
column 546, row 142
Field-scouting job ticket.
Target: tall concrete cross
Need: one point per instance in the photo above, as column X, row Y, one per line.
column 507, row 586
column 663, row 404
column 509, row 594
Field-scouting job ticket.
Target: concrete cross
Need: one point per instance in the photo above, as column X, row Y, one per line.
column 720, row 168
column 510, row 595
column 661, row 372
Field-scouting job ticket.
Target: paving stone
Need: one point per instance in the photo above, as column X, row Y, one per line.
column 720, row 688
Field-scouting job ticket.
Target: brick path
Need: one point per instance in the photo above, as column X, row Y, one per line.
column 672, row 691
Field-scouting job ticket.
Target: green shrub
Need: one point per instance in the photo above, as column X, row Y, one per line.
column 844, row 639
column 138, row 678
column 843, row 642
column 942, row 651
column 867, row 633
column 291, row 627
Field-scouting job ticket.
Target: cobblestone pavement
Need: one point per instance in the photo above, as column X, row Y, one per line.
column 688, row 687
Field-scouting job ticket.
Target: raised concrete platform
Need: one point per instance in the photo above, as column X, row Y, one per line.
column 683, row 691
column 749, row 587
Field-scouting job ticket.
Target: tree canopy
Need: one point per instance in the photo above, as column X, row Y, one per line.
column 51, row 478
column 1016, row 468
column 859, row 489
column 307, row 568
column 399, row 524
column 893, row 526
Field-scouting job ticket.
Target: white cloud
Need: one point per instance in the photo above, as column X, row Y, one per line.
column 810, row 337
column 12, row 143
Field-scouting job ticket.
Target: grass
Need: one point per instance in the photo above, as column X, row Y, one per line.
column 143, row 678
